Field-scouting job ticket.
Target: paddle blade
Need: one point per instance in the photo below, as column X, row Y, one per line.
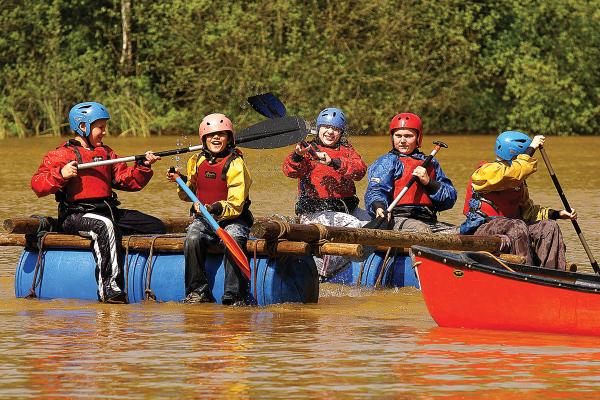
column 380, row 223
column 267, row 104
column 235, row 251
column 273, row 133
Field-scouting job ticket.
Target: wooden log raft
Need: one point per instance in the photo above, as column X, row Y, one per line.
column 271, row 230
column 174, row 244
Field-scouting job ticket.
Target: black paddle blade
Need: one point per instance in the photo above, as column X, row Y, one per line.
column 267, row 104
column 273, row 133
column 380, row 223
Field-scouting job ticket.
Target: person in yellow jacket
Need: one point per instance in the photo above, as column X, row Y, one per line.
column 498, row 203
column 221, row 181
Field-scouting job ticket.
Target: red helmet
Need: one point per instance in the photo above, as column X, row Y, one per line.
column 215, row 123
column 408, row 120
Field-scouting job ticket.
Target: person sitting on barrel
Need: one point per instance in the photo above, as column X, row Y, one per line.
column 498, row 203
column 417, row 209
column 87, row 206
column 326, row 169
column 221, row 181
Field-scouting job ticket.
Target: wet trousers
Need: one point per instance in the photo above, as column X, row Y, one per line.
column 540, row 243
column 329, row 265
column 106, row 232
column 200, row 236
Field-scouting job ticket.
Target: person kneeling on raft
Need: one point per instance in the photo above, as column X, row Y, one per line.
column 87, row 205
column 498, row 203
column 326, row 169
column 433, row 192
column 221, row 181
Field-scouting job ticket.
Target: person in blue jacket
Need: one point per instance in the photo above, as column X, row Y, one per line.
column 433, row 192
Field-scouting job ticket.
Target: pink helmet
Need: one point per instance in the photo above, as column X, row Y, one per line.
column 215, row 123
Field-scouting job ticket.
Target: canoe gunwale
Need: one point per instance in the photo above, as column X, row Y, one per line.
column 574, row 281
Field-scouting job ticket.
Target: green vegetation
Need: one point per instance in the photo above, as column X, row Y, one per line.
column 465, row 66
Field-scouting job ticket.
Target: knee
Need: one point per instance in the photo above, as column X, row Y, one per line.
column 518, row 229
column 193, row 239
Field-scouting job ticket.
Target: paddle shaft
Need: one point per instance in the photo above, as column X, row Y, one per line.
column 413, row 179
column 565, row 202
column 235, row 250
column 139, row 157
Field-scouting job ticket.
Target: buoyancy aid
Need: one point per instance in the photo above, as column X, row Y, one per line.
column 416, row 194
column 211, row 179
column 92, row 183
column 502, row 203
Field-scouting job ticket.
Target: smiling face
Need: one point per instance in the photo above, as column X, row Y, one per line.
column 216, row 142
column 404, row 140
column 98, row 130
column 329, row 135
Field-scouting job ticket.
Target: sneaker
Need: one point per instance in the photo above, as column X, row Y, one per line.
column 228, row 300
column 197, row 297
column 114, row 296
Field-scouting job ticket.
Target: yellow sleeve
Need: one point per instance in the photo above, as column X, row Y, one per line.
column 238, row 189
column 498, row 176
column 192, row 167
column 531, row 212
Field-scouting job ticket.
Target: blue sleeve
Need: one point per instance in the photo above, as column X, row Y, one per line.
column 382, row 174
column 445, row 197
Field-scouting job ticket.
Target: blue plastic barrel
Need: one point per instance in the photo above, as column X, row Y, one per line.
column 71, row 274
column 398, row 272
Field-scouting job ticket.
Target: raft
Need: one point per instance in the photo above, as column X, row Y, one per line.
column 71, row 274
column 477, row 290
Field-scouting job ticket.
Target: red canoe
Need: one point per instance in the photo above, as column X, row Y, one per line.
column 475, row 290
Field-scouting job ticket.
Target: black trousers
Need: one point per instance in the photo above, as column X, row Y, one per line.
column 106, row 234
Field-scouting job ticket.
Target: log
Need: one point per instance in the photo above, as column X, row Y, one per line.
column 373, row 237
column 25, row 225
column 174, row 244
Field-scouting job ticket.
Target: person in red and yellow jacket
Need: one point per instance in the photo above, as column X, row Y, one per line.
column 87, row 204
column 498, row 203
column 221, row 181
column 326, row 170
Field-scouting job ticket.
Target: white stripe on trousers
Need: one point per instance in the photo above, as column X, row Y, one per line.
column 113, row 251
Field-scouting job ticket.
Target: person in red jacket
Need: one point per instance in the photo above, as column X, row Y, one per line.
column 87, row 204
column 326, row 170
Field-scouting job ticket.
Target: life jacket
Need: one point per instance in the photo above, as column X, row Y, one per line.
column 211, row 179
column 416, row 194
column 91, row 183
column 502, row 203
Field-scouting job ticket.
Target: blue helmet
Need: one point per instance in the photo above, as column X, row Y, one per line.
column 510, row 144
column 87, row 113
column 332, row 117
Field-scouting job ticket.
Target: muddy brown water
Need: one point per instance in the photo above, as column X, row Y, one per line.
column 354, row 343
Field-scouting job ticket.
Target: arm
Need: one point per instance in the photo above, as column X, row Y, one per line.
column 531, row 212
column 296, row 166
column 381, row 174
column 238, row 190
column 129, row 179
column 498, row 176
column 48, row 178
column 441, row 192
column 352, row 165
column 191, row 178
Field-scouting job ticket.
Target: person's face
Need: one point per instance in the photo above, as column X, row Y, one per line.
column 98, row 130
column 329, row 135
column 217, row 142
column 404, row 140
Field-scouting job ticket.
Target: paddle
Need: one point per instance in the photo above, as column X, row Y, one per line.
column 267, row 134
column 565, row 202
column 378, row 223
column 234, row 249
column 267, row 104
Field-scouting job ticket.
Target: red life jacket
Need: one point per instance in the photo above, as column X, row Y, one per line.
column 502, row 203
column 211, row 180
column 416, row 194
column 92, row 183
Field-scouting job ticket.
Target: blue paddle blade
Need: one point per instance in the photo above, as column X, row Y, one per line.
column 267, row 104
